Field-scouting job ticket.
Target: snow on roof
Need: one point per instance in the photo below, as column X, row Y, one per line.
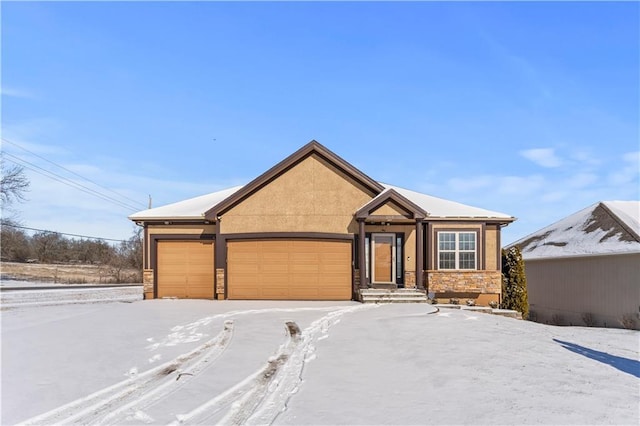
column 627, row 211
column 606, row 227
column 439, row 207
column 193, row 208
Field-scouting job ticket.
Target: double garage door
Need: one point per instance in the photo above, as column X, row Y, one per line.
column 289, row 269
column 258, row 269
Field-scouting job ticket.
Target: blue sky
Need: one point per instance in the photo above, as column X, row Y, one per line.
column 531, row 109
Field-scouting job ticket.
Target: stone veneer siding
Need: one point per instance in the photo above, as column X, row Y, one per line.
column 409, row 279
column 147, row 281
column 220, row 283
column 464, row 281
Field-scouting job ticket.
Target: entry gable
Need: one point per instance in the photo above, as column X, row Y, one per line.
column 391, row 203
column 312, row 148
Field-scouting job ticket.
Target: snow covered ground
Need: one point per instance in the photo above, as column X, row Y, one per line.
column 40, row 295
column 233, row 362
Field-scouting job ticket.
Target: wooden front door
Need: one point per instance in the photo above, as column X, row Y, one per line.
column 383, row 257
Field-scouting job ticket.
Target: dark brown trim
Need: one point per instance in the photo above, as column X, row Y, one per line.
column 165, row 222
column 431, row 246
column 391, row 195
column 362, row 263
column 499, row 247
column 483, row 232
column 153, row 249
column 284, row 235
column 220, row 259
column 312, row 147
column 488, row 220
column 419, row 255
column 620, row 222
column 145, row 251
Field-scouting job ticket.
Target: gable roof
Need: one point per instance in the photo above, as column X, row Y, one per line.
column 209, row 206
column 312, row 147
column 446, row 209
column 391, row 194
column 606, row 227
column 190, row 209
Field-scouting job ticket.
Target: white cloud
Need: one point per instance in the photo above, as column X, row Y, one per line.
column 629, row 170
column 520, row 185
column 585, row 157
column 16, row 93
column 544, row 157
column 582, row 180
column 473, row 184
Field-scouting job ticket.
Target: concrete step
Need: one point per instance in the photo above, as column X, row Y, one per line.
column 392, row 296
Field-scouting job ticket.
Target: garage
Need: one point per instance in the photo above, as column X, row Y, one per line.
column 185, row 269
column 289, row 269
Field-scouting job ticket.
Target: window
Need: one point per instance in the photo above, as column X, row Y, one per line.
column 456, row 250
column 399, row 258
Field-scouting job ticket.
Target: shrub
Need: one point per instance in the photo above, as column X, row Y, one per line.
column 628, row 322
column 557, row 319
column 514, row 282
column 454, row 301
column 493, row 304
column 588, row 319
column 471, row 302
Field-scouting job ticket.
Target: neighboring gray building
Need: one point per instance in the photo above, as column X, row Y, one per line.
column 585, row 268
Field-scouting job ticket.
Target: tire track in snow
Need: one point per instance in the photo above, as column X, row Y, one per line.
column 109, row 403
column 261, row 396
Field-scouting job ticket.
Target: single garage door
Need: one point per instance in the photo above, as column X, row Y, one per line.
column 185, row 269
column 289, row 269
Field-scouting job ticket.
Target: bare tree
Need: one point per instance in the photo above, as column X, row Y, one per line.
column 15, row 244
column 13, row 183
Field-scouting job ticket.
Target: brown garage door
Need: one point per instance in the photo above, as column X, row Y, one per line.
column 185, row 269
column 289, row 269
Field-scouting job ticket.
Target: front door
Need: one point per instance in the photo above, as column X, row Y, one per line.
column 383, row 259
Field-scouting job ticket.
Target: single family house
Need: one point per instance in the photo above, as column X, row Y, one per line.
column 585, row 268
column 314, row 227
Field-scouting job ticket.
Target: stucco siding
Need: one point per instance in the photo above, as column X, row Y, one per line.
column 312, row 196
column 491, row 248
column 563, row 290
column 389, row 209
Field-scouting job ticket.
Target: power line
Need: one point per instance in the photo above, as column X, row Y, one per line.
column 71, row 171
column 61, row 233
column 22, row 162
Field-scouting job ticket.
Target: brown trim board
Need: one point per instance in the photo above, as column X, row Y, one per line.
column 312, row 147
column 395, row 197
column 285, row 235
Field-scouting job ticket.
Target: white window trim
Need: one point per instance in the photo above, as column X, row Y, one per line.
column 457, row 250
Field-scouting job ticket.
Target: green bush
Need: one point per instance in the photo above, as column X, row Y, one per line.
column 514, row 282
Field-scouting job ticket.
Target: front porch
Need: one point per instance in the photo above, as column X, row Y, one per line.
column 401, row 295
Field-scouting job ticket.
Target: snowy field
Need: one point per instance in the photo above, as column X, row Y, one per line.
column 232, row 362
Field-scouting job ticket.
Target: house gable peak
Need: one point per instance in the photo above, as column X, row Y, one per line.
column 311, row 148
